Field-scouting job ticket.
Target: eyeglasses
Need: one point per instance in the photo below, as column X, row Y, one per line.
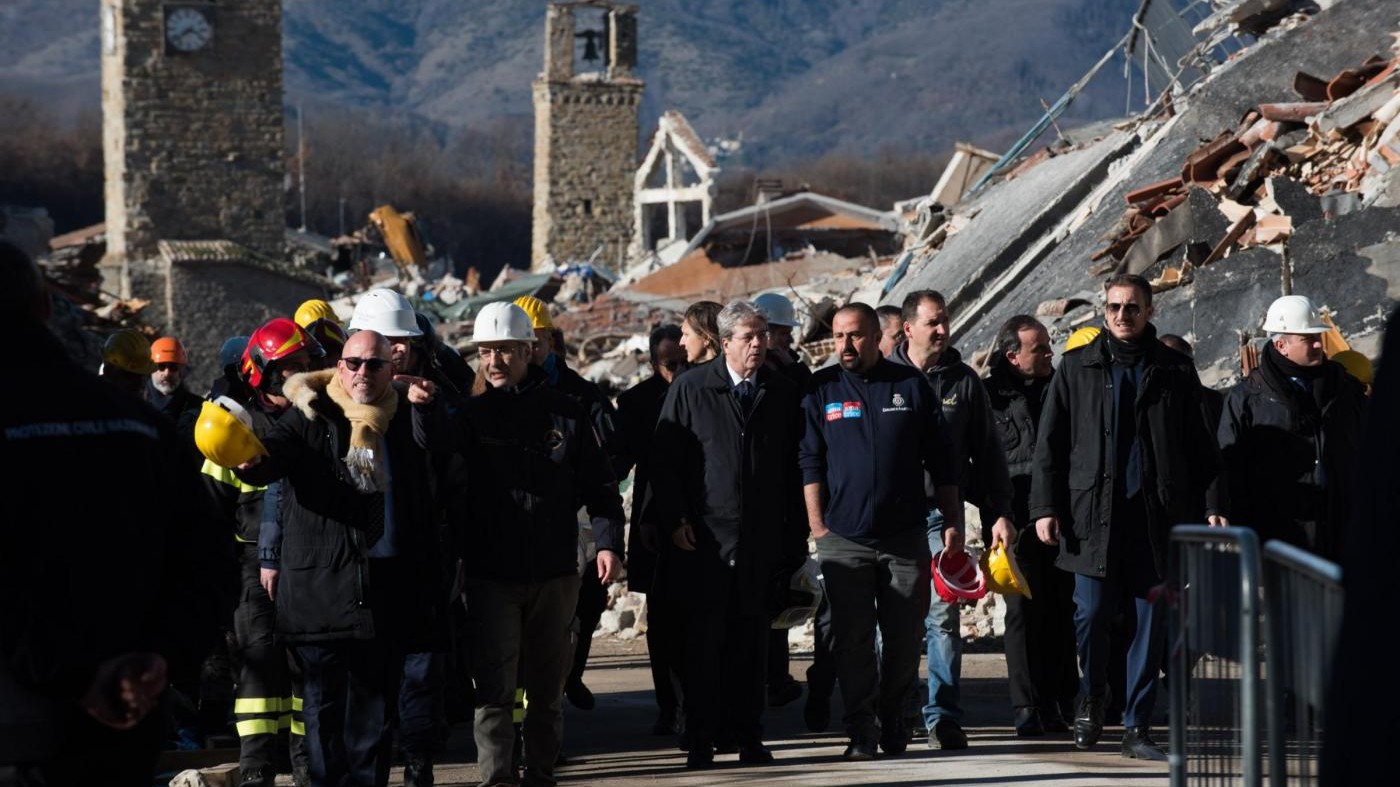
column 504, row 353
column 747, row 338
column 372, row 365
column 1128, row 309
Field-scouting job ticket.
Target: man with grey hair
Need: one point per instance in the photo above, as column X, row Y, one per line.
column 731, row 500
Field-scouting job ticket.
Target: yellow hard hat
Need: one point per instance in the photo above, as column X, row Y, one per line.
column 224, row 433
column 1003, row 575
column 129, row 351
column 1081, row 337
column 1356, row 364
column 537, row 309
column 313, row 310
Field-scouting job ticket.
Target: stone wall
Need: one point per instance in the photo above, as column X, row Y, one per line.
column 211, row 301
column 585, row 160
column 192, row 141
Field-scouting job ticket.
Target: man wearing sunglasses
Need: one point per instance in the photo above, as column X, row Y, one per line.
column 359, row 551
column 534, row 459
column 1124, row 454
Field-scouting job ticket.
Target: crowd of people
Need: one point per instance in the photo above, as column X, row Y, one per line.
column 356, row 537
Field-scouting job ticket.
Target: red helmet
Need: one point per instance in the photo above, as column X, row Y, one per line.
column 957, row 577
column 275, row 340
column 328, row 334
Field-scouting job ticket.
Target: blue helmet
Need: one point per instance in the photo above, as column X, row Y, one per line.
column 232, row 351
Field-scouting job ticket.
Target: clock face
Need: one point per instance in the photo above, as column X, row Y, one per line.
column 188, row 29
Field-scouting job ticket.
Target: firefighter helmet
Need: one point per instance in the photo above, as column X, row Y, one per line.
column 275, row 340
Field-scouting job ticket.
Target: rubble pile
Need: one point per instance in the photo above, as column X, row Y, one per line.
column 1284, row 163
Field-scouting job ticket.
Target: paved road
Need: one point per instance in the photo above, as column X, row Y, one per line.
column 611, row 744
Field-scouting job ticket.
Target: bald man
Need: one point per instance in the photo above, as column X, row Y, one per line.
column 353, row 452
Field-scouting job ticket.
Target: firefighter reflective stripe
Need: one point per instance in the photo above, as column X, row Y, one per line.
column 227, row 476
column 259, row 704
column 256, row 727
column 518, row 712
column 279, row 713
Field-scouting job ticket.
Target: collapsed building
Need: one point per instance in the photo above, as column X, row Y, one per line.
column 1274, row 173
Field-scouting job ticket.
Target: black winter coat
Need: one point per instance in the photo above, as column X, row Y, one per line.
column 973, row 443
column 1015, row 406
column 106, row 547
column 329, row 588
column 1073, row 475
column 638, row 410
column 535, row 460
column 735, row 480
column 1291, row 466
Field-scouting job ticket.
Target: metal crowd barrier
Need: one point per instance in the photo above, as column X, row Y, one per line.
column 1252, row 638
column 1214, row 664
column 1304, row 594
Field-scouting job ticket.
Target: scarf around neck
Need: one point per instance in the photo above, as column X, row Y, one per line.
column 1131, row 353
column 369, row 423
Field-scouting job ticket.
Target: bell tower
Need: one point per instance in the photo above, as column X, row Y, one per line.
column 192, row 126
column 586, row 103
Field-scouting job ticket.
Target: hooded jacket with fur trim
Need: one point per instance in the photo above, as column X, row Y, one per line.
column 330, row 587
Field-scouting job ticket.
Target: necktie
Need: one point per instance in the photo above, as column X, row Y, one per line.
column 745, row 393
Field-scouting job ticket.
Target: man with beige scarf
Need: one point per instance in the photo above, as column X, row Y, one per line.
column 360, row 542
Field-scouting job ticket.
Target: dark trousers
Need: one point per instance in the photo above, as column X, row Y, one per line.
column 422, row 713
column 592, row 598
column 665, row 649
column 726, row 645
column 351, row 689
column 265, row 705
column 520, row 628
column 1040, row 643
column 884, row 585
column 91, row 754
column 778, row 670
column 1130, row 575
column 821, row 676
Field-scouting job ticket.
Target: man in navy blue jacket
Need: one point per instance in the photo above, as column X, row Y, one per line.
column 873, row 428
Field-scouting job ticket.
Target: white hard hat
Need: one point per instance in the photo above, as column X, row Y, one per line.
column 503, row 322
column 385, row 312
column 777, row 308
column 1294, row 314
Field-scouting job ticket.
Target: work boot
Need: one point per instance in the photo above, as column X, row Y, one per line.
column 579, row 696
column 418, row 772
column 1088, row 721
column 256, row 777
column 301, row 775
column 1138, row 744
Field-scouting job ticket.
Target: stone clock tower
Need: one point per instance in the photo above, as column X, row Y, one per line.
column 192, row 127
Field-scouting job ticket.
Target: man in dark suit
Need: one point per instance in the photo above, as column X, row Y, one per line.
column 728, row 435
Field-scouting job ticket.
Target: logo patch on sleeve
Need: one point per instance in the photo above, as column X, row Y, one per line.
column 850, row 410
column 833, row 411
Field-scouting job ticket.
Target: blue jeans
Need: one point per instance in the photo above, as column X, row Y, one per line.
column 943, row 641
